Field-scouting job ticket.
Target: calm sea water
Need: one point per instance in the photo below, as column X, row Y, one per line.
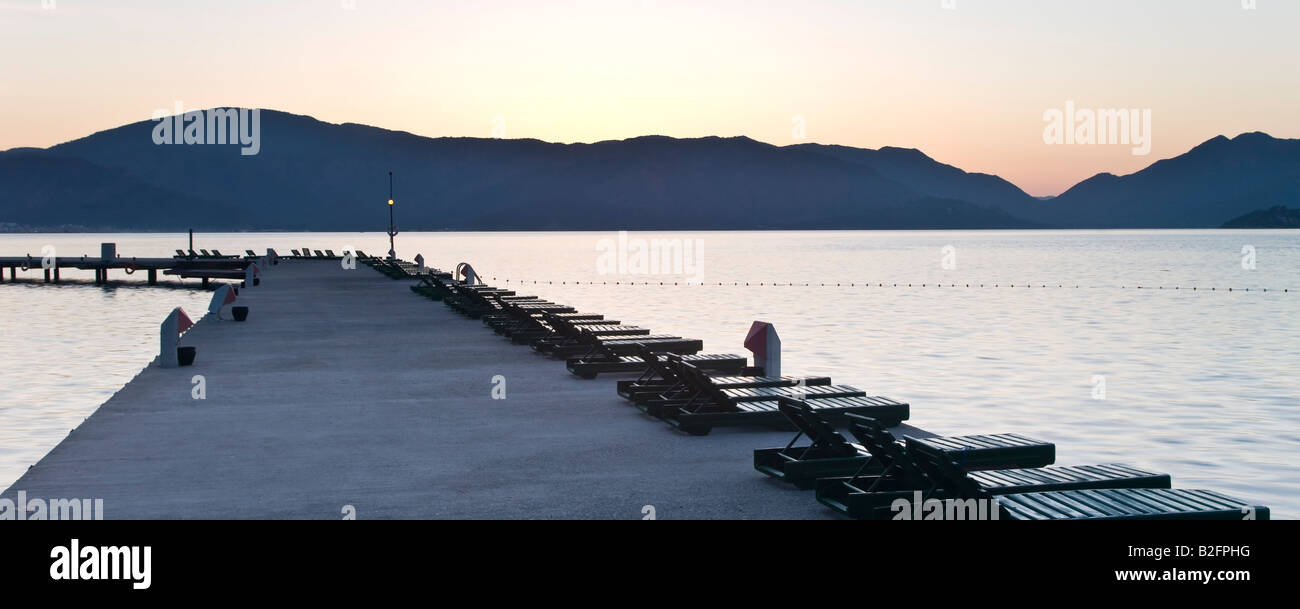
column 1200, row 384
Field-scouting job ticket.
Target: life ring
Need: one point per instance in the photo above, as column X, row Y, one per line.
column 130, row 268
column 27, row 265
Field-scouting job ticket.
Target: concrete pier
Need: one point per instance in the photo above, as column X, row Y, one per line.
column 343, row 388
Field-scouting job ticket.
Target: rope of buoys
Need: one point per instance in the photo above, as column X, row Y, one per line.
column 866, row 285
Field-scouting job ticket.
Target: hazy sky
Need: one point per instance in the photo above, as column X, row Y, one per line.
column 966, row 81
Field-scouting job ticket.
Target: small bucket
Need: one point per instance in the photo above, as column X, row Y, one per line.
column 185, row 355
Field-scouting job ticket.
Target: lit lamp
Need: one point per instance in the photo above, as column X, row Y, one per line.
column 392, row 225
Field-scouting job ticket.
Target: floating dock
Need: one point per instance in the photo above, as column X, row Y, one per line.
column 344, row 388
column 207, row 268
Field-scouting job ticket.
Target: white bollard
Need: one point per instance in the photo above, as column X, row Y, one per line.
column 766, row 346
column 169, row 334
column 221, row 297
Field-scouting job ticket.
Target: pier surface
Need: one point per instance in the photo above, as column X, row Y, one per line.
column 344, row 388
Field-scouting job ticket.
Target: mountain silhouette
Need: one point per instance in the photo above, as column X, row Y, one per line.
column 1278, row 216
column 1219, row 179
column 312, row 175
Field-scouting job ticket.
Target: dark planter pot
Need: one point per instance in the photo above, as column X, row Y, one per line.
column 240, row 313
column 186, row 355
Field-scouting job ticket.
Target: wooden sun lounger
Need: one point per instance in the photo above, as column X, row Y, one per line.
column 829, row 455
column 1087, row 492
column 662, row 382
column 611, row 349
column 533, row 329
column 478, row 303
column 570, row 349
column 529, row 326
column 760, row 406
column 947, row 475
column 1128, row 504
column 564, row 346
column 705, row 396
column 588, row 367
column 868, row 495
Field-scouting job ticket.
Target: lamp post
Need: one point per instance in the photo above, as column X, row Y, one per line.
column 392, row 225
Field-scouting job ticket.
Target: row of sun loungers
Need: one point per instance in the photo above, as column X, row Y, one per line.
column 864, row 479
column 588, row 342
column 676, row 384
column 205, row 255
column 862, row 476
column 401, row 269
column 691, row 399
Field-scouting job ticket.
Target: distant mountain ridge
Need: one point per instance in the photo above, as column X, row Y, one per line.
column 1217, row 180
column 311, row 175
column 1274, row 217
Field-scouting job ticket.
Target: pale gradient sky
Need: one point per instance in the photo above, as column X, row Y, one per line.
column 968, row 86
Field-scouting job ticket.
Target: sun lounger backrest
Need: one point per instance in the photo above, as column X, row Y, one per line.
column 942, row 469
column 820, row 432
column 877, row 440
column 697, row 380
column 652, row 365
column 793, row 411
column 670, row 368
column 180, row 253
